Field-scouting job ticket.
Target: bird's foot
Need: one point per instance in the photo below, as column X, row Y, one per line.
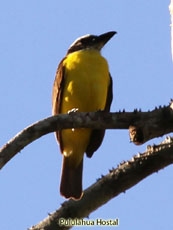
column 74, row 110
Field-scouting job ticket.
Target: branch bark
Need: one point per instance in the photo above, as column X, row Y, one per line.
column 126, row 175
column 143, row 126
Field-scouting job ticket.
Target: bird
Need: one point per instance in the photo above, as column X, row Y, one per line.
column 82, row 84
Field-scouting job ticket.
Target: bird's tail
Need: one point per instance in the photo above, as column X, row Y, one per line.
column 71, row 179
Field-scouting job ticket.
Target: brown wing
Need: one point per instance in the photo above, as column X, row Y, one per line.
column 71, row 178
column 57, row 95
column 97, row 135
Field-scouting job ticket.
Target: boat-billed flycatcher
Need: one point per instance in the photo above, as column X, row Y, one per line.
column 83, row 83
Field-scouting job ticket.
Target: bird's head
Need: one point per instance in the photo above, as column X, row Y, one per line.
column 91, row 42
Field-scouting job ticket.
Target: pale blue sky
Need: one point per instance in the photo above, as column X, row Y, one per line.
column 35, row 36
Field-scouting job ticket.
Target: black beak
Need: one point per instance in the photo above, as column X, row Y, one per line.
column 104, row 38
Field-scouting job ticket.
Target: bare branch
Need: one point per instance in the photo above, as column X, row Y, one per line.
column 117, row 181
column 154, row 124
column 143, row 126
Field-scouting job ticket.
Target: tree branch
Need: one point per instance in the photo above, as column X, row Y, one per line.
column 143, row 126
column 126, row 175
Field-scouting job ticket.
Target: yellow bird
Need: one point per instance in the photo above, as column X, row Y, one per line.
column 82, row 83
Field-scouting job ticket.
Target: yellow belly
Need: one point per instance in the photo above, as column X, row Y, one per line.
column 85, row 89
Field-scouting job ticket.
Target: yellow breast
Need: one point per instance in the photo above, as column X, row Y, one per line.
column 86, row 81
column 85, row 88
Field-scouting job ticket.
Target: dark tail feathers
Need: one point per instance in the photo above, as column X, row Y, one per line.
column 71, row 180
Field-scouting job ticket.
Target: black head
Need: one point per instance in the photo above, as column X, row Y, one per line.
column 91, row 42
